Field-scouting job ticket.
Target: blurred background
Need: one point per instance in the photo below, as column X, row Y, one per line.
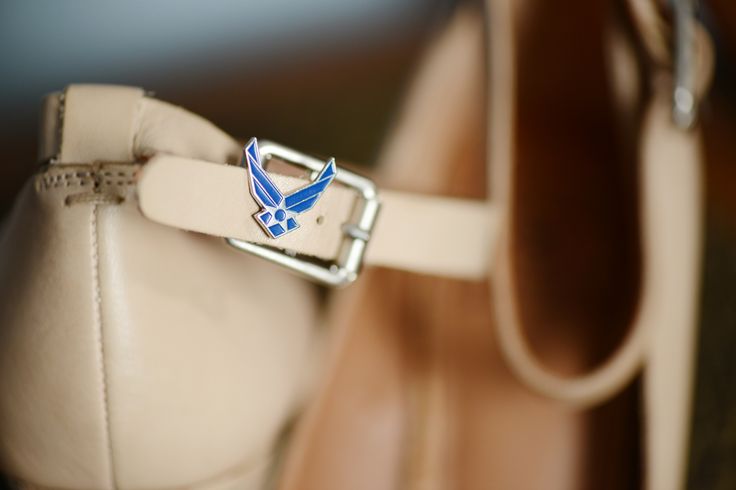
column 324, row 76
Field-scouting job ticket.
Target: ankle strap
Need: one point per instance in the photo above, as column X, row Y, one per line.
column 186, row 184
column 412, row 232
column 88, row 123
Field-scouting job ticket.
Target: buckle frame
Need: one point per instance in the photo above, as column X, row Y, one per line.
column 684, row 96
column 346, row 268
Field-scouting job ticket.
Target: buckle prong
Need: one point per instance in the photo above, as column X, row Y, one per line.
column 353, row 231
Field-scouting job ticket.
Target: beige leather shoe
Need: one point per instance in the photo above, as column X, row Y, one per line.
column 530, row 380
column 138, row 354
column 139, row 351
column 134, row 355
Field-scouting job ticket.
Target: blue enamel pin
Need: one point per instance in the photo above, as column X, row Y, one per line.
column 278, row 212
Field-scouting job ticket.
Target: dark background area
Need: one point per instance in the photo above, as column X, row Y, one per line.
column 324, row 76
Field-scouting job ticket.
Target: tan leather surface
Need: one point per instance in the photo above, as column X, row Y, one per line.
column 124, row 361
column 223, row 368
column 135, row 355
column 445, row 236
column 52, row 412
column 98, row 123
column 370, row 426
column 661, row 337
column 669, row 241
column 190, row 194
column 458, row 417
column 128, row 347
column 215, row 199
column 674, row 176
column 116, row 123
column 413, row 231
column 354, row 432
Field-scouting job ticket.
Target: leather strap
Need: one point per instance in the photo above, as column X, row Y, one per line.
column 184, row 184
column 195, row 195
column 439, row 235
column 413, row 232
column 670, row 220
column 87, row 123
column 673, row 204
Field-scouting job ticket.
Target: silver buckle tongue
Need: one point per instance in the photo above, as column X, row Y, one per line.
column 345, row 269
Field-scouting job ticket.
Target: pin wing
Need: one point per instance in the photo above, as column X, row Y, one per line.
column 261, row 185
column 305, row 198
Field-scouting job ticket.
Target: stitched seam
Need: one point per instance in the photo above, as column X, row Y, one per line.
column 97, row 312
column 73, row 179
column 93, row 198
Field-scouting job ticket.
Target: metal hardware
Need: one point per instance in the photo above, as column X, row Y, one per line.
column 357, row 233
column 684, row 99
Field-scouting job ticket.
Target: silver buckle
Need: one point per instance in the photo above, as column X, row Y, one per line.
column 684, row 98
column 357, row 232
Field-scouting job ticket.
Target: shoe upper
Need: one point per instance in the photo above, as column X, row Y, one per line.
column 134, row 355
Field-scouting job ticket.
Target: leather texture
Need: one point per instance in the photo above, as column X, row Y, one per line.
column 446, row 413
column 169, row 341
column 413, row 232
column 214, row 199
column 135, row 355
column 121, row 124
column 662, row 335
column 88, row 130
column 184, row 186
column 373, row 423
column 675, row 212
column 142, row 356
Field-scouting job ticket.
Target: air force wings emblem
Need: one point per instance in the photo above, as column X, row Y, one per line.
column 278, row 212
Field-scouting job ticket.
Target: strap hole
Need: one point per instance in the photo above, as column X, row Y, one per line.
column 320, row 220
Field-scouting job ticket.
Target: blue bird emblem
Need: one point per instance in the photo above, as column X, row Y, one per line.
column 278, row 212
